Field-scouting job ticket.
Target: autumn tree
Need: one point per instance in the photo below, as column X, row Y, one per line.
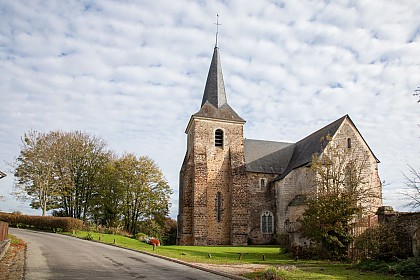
column 35, row 172
column 59, row 170
column 146, row 192
column 82, row 158
column 341, row 195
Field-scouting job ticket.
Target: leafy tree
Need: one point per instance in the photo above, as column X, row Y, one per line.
column 36, row 177
column 59, row 169
column 82, row 158
column 107, row 209
column 146, row 191
column 340, row 196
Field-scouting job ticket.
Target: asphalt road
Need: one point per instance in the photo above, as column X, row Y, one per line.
column 54, row 256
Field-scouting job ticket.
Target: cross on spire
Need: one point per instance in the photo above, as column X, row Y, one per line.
column 217, row 28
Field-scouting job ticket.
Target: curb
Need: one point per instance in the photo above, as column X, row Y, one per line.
column 4, row 245
column 227, row 275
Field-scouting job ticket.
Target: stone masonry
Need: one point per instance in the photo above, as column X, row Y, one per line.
column 236, row 191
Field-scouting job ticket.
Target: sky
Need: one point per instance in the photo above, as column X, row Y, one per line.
column 133, row 72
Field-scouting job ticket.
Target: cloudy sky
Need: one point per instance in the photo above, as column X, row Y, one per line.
column 133, row 72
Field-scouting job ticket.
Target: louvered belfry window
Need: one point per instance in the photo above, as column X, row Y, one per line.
column 218, row 138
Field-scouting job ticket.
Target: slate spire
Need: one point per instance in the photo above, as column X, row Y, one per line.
column 214, row 92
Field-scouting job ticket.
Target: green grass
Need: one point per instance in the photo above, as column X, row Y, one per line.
column 250, row 254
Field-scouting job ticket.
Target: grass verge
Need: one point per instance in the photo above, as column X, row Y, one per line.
column 272, row 256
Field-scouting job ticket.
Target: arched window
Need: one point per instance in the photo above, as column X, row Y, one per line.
column 218, row 138
column 263, row 183
column 349, row 143
column 267, row 222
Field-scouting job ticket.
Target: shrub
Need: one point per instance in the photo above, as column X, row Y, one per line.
column 381, row 243
column 282, row 239
column 169, row 232
column 140, row 236
column 407, row 268
column 42, row 222
column 307, row 252
column 89, row 236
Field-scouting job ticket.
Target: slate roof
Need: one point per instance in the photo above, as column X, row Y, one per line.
column 2, row 175
column 281, row 158
column 214, row 103
column 214, row 92
column 312, row 144
column 267, row 156
column 225, row 112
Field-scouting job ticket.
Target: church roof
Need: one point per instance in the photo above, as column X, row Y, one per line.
column 281, row 157
column 214, row 104
column 225, row 112
column 214, row 92
column 310, row 145
column 2, row 175
column 267, row 156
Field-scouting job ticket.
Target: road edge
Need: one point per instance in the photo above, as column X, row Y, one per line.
column 231, row 276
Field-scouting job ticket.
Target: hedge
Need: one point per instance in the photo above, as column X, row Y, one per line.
column 42, row 222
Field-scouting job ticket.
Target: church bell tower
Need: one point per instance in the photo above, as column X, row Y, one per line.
column 212, row 194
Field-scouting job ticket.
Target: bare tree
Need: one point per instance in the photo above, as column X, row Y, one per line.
column 417, row 94
column 412, row 192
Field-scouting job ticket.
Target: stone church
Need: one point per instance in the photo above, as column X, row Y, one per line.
column 236, row 191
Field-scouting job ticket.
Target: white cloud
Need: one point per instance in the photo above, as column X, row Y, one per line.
column 133, row 73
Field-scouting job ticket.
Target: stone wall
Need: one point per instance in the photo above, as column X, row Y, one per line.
column 261, row 199
column 301, row 181
column 213, row 197
column 408, row 224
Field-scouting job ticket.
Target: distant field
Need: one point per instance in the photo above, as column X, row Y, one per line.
column 273, row 256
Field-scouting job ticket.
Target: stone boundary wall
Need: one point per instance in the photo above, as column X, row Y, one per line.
column 409, row 221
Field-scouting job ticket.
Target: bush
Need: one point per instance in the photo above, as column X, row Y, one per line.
column 42, row 222
column 272, row 274
column 140, row 236
column 282, row 239
column 381, row 243
column 306, row 252
column 407, row 268
column 169, row 232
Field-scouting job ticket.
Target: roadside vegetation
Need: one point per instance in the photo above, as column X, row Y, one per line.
column 74, row 174
column 279, row 263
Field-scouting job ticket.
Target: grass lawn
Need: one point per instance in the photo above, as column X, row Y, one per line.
column 250, row 255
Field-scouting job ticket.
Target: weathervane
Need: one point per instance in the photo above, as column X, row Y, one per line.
column 217, row 28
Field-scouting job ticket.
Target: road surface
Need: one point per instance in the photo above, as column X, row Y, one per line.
column 54, row 256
